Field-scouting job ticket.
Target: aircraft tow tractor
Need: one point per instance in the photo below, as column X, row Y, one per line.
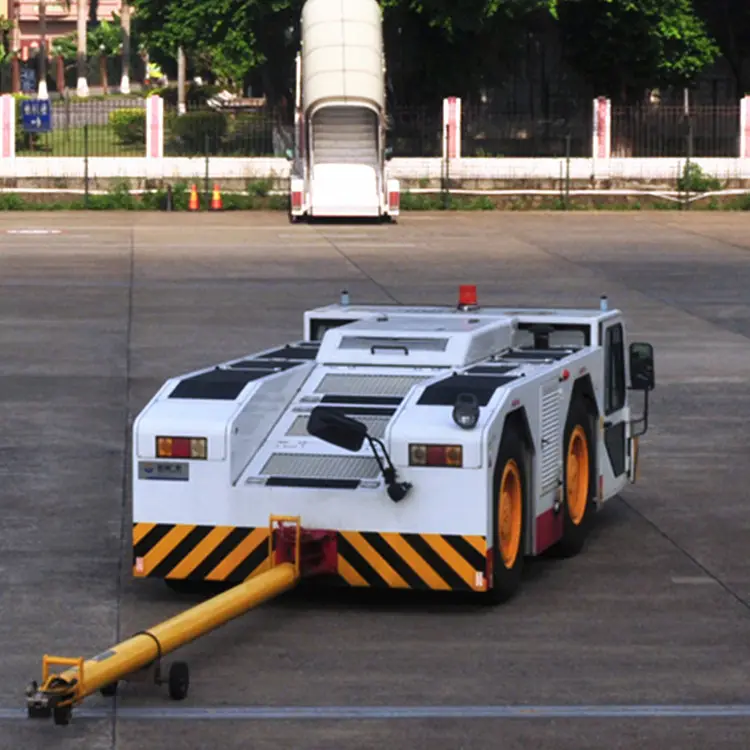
column 294, row 553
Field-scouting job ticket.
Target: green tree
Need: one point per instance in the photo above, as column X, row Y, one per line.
column 433, row 46
column 623, row 47
column 107, row 34
column 227, row 38
column 440, row 47
column 729, row 23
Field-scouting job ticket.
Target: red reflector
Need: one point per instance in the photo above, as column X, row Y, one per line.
column 467, row 295
column 435, row 455
column 181, row 448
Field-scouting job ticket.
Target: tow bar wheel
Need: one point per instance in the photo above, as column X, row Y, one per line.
column 179, row 681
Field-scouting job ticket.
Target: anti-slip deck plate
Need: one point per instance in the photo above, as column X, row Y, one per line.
column 369, row 385
column 311, row 466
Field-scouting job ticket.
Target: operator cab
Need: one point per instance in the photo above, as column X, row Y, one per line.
column 417, row 341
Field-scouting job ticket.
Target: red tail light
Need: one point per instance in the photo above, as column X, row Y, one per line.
column 181, row 447
column 435, row 455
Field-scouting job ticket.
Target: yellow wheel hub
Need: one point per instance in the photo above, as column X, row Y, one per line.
column 510, row 514
column 577, row 487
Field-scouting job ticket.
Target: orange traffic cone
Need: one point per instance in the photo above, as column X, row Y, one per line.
column 216, row 204
column 193, row 204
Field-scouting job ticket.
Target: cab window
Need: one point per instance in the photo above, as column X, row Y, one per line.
column 614, row 375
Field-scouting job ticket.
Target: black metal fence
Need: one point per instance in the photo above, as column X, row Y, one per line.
column 416, row 131
column 116, row 126
column 112, row 126
column 663, row 131
column 488, row 133
column 225, row 131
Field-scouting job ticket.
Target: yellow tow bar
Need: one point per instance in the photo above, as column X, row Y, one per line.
column 132, row 658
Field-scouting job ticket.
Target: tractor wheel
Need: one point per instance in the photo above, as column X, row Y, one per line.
column 579, row 480
column 508, row 518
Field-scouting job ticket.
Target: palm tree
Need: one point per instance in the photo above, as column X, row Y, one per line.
column 125, row 23
column 83, row 84
column 42, row 91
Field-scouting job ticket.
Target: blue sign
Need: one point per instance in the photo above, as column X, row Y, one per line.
column 37, row 116
column 28, row 80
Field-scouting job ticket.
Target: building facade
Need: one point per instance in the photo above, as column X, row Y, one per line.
column 61, row 20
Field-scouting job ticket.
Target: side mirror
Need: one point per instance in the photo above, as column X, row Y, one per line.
column 337, row 429
column 388, row 153
column 642, row 376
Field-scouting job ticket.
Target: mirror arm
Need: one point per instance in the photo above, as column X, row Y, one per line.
column 397, row 491
column 644, row 419
column 373, row 442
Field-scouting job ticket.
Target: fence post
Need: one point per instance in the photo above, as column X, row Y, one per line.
column 452, row 128
column 451, row 140
column 154, row 127
column 745, row 128
column 601, row 147
column 86, row 164
column 7, row 127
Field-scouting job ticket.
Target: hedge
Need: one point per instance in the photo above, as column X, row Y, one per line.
column 129, row 125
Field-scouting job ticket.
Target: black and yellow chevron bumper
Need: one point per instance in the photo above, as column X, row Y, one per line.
column 378, row 560
column 412, row 561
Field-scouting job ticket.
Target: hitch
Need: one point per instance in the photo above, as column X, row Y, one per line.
column 313, row 552
column 56, row 696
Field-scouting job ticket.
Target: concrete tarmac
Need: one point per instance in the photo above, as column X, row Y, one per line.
column 97, row 310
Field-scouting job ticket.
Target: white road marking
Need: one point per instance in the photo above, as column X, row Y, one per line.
column 33, row 231
column 287, row 713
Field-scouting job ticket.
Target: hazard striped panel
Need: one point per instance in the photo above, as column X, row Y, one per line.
column 413, row 561
column 372, row 559
column 198, row 553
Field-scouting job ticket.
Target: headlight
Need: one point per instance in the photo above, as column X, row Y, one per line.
column 466, row 411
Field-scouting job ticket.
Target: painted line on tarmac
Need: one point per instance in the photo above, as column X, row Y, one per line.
column 374, row 244
column 34, row 232
column 333, row 713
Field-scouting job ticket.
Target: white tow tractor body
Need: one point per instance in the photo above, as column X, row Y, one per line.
column 339, row 159
column 431, row 441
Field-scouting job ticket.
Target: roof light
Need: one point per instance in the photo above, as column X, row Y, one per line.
column 603, row 303
column 467, row 297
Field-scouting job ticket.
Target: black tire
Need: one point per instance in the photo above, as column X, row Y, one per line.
column 109, row 691
column 62, row 715
column 577, row 516
column 179, row 681
column 511, row 463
